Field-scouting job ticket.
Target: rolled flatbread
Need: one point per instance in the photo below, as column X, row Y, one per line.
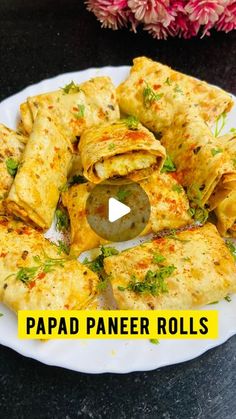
column 34, row 276
column 116, row 150
column 43, row 171
column 189, row 270
column 152, row 92
column 76, row 107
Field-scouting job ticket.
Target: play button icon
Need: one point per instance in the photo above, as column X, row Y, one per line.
column 118, row 212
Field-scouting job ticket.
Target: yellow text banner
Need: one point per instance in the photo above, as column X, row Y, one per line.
column 117, row 324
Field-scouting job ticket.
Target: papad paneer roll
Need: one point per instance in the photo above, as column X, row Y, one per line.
column 189, row 270
column 120, row 150
column 152, row 91
column 12, row 145
column 43, row 171
column 202, row 163
column 76, row 107
column 34, row 275
column 223, row 199
column 168, row 203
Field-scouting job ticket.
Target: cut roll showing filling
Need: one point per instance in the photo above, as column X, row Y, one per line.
column 115, row 150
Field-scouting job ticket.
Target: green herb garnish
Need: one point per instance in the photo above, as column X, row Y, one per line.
column 168, row 165
column 96, row 265
column 81, row 111
column 201, row 215
column 111, row 146
column 132, row 122
column 72, row 87
column 177, row 188
column 43, row 266
column 168, row 81
column 228, row 299
column 62, row 220
column 154, row 341
column 215, row 151
column 157, row 258
column 231, row 247
column 149, row 96
column 63, row 248
column 122, row 194
column 75, row 180
column 220, row 124
column 12, row 166
column 1, row 314
column 153, row 282
column 177, row 89
column 233, row 130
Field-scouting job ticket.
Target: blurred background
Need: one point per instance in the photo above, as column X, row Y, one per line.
column 43, row 38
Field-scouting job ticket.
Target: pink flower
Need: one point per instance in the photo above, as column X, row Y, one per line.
column 205, row 11
column 159, row 31
column 111, row 13
column 151, row 11
column 227, row 21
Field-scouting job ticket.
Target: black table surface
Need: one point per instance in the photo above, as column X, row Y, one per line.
column 43, row 38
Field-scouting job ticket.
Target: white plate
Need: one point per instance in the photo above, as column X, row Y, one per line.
column 99, row 356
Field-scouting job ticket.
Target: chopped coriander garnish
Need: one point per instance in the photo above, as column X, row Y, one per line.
column 177, row 188
column 158, row 258
column 154, row 341
column 153, row 282
column 71, row 87
column 168, row 165
column 220, row 124
column 231, row 247
column 75, row 180
column 234, row 162
column 177, row 89
column 96, row 265
column 168, row 81
column 191, row 211
column 122, row 194
column 215, row 151
column 201, row 215
column 43, row 266
column 81, row 111
column 111, row 146
column 12, row 166
column 63, row 247
column 132, row 122
column 194, row 194
column 228, row 299
column 102, row 285
column 149, row 96
column 62, row 220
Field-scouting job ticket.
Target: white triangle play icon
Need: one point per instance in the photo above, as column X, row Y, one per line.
column 116, row 210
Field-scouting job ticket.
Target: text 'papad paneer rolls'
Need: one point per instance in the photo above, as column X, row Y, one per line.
column 12, row 145
column 76, row 106
column 34, row 276
column 43, row 171
column 223, row 199
column 189, row 270
column 152, row 91
column 121, row 149
column 202, row 163
column 168, row 202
